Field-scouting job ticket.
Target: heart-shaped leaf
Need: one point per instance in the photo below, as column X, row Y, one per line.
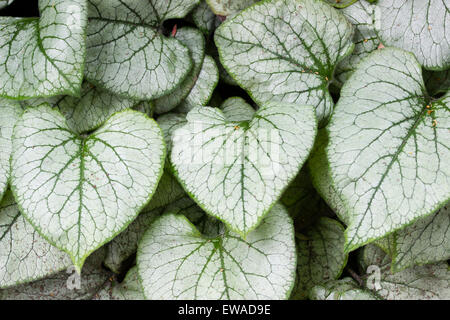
column 81, row 191
column 44, row 56
column 176, row 261
column 127, row 53
column 388, row 149
column 422, row 27
column 286, row 50
column 236, row 170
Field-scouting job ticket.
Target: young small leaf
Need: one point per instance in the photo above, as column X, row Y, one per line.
column 203, row 88
column 361, row 15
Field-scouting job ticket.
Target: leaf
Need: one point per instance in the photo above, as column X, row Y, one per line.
column 388, row 150
column 361, row 15
column 321, row 257
column 65, row 285
column 344, row 289
column 11, row 112
column 126, row 52
column 129, row 289
column 425, row 241
column 286, row 50
column 429, row 282
column 90, row 110
column 175, row 261
column 195, row 42
column 77, row 191
column 24, row 255
column 421, row 27
column 205, row 20
column 44, row 56
column 229, row 7
column 203, row 88
column 237, row 109
column 235, row 170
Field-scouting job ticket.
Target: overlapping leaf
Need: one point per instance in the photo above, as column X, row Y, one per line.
column 344, row 289
column 204, row 86
column 425, row 241
column 89, row 111
column 129, row 289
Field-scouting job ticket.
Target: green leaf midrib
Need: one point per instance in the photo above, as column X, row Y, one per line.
column 411, row 131
column 41, row 48
column 10, row 224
